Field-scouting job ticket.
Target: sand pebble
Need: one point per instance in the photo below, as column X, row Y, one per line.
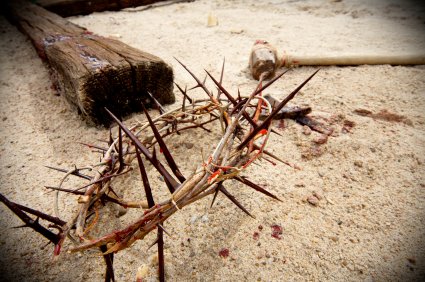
column 188, row 145
column 318, row 195
column 120, row 211
column 358, row 163
column 334, row 238
column 306, row 130
column 236, row 31
column 313, row 200
column 212, row 20
column 321, row 139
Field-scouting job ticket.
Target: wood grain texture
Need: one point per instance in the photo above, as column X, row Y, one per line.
column 90, row 71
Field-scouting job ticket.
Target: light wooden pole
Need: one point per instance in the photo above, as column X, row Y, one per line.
column 264, row 60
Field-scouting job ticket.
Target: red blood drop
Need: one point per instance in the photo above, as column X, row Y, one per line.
column 256, row 235
column 276, row 231
column 224, row 253
column 57, row 250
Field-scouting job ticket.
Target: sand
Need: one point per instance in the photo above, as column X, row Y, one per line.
column 368, row 223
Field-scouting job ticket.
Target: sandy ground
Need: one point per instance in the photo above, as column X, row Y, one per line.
column 370, row 177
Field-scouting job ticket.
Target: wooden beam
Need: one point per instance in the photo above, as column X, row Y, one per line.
column 67, row 8
column 91, row 71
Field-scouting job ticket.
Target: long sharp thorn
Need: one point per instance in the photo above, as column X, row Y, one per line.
column 168, row 157
column 184, row 104
column 222, row 89
column 104, row 196
column 262, row 88
column 275, row 132
column 75, row 173
column 231, row 99
column 109, row 261
column 120, row 151
column 102, row 179
column 146, row 185
column 163, row 229
column 268, row 120
column 256, row 187
column 172, row 184
column 65, row 190
column 41, row 215
column 269, row 153
column 222, row 70
column 153, row 244
column 112, row 191
column 221, row 78
column 49, row 235
column 238, row 105
column 111, row 140
column 161, row 265
column 233, row 199
column 215, row 195
column 93, row 146
column 154, row 154
column 160, row 108
column 20, row 226
column 200, row 84
column 184, row 93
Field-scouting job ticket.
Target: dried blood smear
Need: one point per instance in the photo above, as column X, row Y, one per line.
column 277, row 231
column 224, row 253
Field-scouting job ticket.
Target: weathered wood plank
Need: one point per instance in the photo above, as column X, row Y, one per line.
column 67, row 8
column 90, row 71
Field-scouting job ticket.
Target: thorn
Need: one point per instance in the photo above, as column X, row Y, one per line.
column 262, row 88
column 167, row 154
column 232, row 100
column 184, row 104
column 233, row 199
column 120, row 151
column 76, row 173
column 221, row 79
column 172, row 184
column 200, row 84
column 93, row 146
column 41, row 215
column 20, row 226
column 109, row 261
column 103, row 179
column 256, row 187
column 215, row 196
column 146, row 185
column 184, row 93
column 111, row 140
column 163, row 229
column 161, row 264
column 154, row 153
column 160, row 108
column 46, row 233
column 267, row 121
column 153, row 244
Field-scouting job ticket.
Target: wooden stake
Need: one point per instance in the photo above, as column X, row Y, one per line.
column 90, row 71
column 67, row 8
